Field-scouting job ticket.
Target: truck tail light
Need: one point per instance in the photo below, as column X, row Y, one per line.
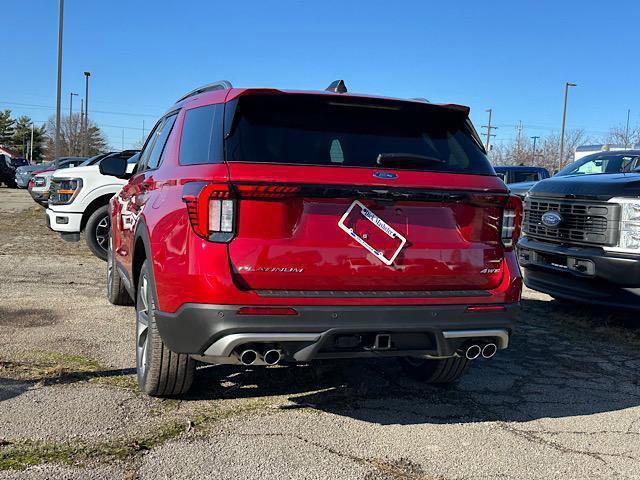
column 511, row 222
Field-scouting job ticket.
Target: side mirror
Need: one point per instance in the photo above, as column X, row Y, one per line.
column 114, row 167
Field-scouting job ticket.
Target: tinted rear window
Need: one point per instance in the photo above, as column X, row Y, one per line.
column 325, row 130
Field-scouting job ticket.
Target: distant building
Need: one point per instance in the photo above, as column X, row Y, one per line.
column 584, row 150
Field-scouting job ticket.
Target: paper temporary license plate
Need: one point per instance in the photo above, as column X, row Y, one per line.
column 373, row 233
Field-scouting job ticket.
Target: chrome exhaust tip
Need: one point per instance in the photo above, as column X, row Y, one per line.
column 489, row 350
column 473, row 352
column 248, row 357
column 272, row 357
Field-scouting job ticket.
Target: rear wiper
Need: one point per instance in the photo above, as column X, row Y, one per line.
column 410, row 159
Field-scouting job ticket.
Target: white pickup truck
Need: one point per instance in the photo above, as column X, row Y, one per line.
column 79, row 202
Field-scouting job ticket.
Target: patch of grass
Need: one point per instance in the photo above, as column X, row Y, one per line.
column 24, row 454
column 27, row 454
column 41, row 366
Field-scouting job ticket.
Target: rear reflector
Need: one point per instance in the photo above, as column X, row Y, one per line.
column 486, row 308
column 266, row 311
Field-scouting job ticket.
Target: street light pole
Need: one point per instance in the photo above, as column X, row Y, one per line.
column 85, row 142
column 70, row 122
column 626, row 132
column 59, row 92
column 564, row 117
column 31, row 145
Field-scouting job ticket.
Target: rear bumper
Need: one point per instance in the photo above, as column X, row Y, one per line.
column 316, row 332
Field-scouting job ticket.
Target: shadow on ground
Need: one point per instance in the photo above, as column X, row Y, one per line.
column 553, row 369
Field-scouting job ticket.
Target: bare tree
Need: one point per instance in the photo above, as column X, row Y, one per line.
column 620, row 136
column 520, row 150
column 72, row 137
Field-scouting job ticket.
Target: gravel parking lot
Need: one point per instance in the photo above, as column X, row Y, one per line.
column 562, row 402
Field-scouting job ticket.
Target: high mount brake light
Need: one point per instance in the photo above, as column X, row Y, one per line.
column 212, row 207
column 511, row 222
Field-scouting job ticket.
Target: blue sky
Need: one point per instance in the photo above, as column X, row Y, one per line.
column 511, row 56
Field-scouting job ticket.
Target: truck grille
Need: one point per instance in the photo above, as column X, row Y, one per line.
column 583, row 222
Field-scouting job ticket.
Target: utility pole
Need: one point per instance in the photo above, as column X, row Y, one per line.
column 564, row 117
column 626, row 133
column 70, row 122
column 535, row 139
column 489, row 128
column 59, row 91
column 85, row 146
column 81, row 123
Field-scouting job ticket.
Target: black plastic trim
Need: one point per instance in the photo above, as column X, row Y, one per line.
column 194, row 327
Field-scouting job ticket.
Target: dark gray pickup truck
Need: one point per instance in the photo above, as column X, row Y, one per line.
column 581, row 232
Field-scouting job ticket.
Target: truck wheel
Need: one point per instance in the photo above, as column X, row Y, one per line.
column 96, row 232
column 161, row 372
column 441, row 370
column 116, row 291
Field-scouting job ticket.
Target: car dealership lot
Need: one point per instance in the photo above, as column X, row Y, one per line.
column 563, row 402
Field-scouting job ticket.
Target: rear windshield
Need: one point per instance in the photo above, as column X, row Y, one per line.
column 525, row 177
column 329, row 131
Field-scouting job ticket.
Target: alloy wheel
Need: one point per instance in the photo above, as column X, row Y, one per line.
column 142, row 326
column 102, row 232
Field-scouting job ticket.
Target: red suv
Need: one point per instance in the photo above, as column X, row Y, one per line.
column 264, row 225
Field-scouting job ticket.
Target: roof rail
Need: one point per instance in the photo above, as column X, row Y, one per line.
column 219, row 85
column 420, row 99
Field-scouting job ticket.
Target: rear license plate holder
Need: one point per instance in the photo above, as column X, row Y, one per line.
column 380, row 224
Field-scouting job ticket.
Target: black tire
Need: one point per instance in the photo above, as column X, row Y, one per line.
column 116, row 291
column 442, row 370
column 161, row 372
column 10, row 183
column 96, row 232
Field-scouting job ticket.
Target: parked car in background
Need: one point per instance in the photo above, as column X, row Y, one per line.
column 521, row 178
column 8, row 166
column 582, row 232
column 39, row 183
column 264, row 225
column 24, row 173
column 78, row 201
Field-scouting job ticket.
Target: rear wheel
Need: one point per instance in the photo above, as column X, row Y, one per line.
column 441, row 370
column 116, row 292
column 96, row 232
column 161, row 372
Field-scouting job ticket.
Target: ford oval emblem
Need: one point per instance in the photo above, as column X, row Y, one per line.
column 551, row 219
column 385, row 175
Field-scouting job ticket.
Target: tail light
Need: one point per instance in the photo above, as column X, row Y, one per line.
column 212, row 207
column 511, row 221
column 211, row 210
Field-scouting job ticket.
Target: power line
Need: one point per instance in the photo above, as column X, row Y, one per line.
column 48, row 107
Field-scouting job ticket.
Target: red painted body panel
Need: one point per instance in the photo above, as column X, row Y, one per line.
column 450, row 244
